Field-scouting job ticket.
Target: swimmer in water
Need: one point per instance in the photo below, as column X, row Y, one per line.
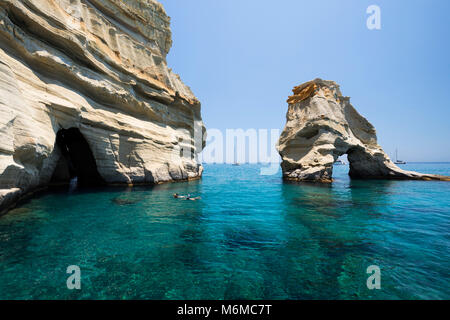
column 188, row 197
column 192, row 199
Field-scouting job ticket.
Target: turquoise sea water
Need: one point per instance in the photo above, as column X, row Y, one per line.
column 250, row 237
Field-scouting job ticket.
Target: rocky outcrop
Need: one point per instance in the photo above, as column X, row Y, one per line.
column 97, row 67
column 321, row 126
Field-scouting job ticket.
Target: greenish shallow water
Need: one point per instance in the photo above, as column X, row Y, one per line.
column 250, row 237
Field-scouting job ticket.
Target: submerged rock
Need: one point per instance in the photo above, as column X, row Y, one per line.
column 321, row 126
column 97, row 67
column 124, row 202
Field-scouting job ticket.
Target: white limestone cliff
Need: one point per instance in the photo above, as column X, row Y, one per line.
column 98, row 66
column 321, row 126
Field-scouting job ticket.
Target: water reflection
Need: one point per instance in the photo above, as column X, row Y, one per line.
column 336, row 230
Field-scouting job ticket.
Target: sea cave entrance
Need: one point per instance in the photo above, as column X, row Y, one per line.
column 77, row 162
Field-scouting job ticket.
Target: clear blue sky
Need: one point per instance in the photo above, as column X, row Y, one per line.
column 242, row 58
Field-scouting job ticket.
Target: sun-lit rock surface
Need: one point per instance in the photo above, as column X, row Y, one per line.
column 321, row 126
column 99, row 66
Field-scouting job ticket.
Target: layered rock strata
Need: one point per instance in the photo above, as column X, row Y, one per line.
column 321, row 126
column 97, row 67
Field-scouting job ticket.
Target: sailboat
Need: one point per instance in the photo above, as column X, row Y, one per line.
column 397, row 161
column 235, row 157
column 340, row 163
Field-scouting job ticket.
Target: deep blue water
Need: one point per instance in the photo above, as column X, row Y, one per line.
column 250, row 237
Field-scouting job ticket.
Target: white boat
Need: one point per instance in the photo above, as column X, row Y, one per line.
column 397, row 161
column 235, row 157
column 340, row 163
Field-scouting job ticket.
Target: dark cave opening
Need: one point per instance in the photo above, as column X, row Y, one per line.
column 77, row 160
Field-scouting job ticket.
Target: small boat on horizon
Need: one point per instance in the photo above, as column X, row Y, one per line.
column 236, row 163
column 340, row 163
column 397, row 161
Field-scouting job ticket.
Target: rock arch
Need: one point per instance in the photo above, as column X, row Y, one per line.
column 321, row 126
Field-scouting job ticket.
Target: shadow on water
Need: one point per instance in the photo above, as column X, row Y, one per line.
column 371, row 195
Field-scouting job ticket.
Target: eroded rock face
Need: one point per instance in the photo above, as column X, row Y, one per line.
column 321, row 126
column 98, row 66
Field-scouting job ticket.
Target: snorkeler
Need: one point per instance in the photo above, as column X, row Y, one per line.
column 192, row 199
column 188, row 197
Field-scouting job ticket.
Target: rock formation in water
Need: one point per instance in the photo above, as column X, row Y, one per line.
column 94, row 74
column 321, row 126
